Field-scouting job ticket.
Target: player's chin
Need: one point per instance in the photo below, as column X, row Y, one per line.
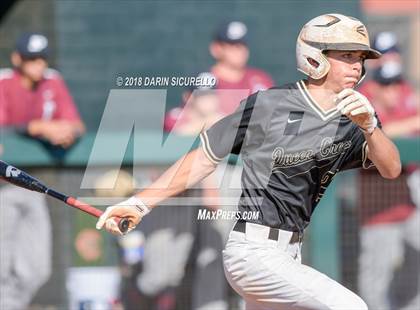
column 350, row 83
column 35, row 77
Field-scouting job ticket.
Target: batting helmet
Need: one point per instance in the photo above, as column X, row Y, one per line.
column 330, row 32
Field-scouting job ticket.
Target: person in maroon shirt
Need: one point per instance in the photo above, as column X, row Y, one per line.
column 35, row 98
column 389, row 219
column 235, row 80
column 394, row 99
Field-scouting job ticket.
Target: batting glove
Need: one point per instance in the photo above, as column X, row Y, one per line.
column 358, row 108
column 132, row 209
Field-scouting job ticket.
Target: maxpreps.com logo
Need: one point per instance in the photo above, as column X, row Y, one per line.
column 204, row 214
column 328, row 149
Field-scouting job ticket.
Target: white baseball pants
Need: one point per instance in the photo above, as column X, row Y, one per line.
column 269, row 274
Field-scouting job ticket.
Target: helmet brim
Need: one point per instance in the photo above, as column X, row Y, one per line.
column 370, row 52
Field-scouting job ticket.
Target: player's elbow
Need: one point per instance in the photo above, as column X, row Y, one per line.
column 392, row 171
column 208, row 167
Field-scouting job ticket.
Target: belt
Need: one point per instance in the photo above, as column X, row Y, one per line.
column 273, row 233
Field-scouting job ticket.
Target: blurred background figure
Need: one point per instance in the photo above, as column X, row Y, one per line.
column 25, row 246
column 395, row 100
column 235, row 80
column 390, row 233
column 35, row 99
column 230, row 50
column 386, row 42
column 199, row 109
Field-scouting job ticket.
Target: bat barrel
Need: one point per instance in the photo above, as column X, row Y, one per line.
column 22, row 179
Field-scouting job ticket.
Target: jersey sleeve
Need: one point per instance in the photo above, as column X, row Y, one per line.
column 228, row 134
column 357, row 156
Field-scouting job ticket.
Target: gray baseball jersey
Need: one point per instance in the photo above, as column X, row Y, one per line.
column 291, row 149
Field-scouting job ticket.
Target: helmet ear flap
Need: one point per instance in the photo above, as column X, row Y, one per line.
column 303, row 53
column 322, row 69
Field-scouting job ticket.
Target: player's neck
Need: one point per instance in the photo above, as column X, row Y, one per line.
column 321, row 93
column 27, row 83
column 228, row 73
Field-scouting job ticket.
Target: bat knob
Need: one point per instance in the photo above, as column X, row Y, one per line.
column 123, row 225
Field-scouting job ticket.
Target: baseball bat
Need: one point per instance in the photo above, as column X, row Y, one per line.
column 22, row 179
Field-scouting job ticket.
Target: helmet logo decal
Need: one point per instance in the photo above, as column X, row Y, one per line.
column 334, row 20
column 361, row 29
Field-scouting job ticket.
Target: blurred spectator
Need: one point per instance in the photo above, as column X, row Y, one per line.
column 234, row 79
column 201, row 113
column 230, row 50
column 25, row 246
column 395, row 101
column 34, row 98
column 386, row 43
column 199, row 110
column 390, row 232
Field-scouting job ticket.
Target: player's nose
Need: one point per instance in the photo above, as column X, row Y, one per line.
column 357, row 66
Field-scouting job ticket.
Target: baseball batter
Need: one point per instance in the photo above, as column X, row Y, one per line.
column 293, row 140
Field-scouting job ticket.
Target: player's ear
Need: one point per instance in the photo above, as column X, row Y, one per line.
column 16, row 59
column 215, row 49
column 313, row 62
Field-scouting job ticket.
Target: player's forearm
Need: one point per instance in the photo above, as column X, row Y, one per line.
column 384, row 154
column 39, row 127
column 402, row 127
column 36, row 127
column 79, row 128
column 186, row 172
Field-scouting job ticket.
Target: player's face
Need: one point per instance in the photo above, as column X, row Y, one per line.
column 234, row 54
column 388, row 95
column 33, row 68
column 346, row 69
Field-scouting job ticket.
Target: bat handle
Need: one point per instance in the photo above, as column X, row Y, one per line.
column 123, row 225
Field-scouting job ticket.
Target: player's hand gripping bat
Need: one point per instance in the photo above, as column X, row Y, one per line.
column 20, row 178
